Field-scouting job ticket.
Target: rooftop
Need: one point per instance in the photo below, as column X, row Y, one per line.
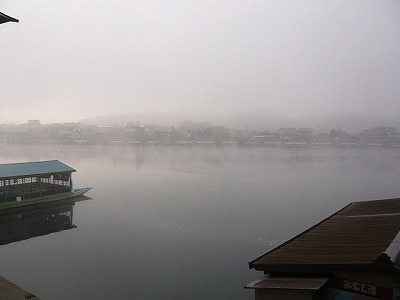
column 33, row 168
column 361, row 236
column 4, row 18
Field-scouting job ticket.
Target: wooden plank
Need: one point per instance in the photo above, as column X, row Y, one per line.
column 11, row 291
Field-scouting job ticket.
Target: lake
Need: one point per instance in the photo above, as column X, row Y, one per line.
column 182, row 223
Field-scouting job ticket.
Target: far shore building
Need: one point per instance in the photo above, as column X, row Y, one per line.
column 33, row 123
column 353, row 254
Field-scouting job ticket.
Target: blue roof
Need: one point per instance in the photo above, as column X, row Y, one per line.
column 33, row 168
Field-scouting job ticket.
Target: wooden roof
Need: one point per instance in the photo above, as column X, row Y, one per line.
column 4, row 18
column 362, row 236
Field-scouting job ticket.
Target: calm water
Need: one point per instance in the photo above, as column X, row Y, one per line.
column 182, row 223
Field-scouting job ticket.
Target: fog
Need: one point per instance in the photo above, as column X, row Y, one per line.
column 289, row 62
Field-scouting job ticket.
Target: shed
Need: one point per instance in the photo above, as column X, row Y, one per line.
column 355, row 252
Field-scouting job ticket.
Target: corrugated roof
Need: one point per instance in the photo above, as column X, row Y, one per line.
column 4, row 18
column 33, row 168
column 355, row 236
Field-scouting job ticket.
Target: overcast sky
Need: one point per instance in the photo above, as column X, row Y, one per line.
column 69, row 60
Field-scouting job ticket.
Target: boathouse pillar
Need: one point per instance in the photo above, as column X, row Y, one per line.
column 40, row 185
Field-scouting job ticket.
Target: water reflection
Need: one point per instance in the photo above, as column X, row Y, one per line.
column 192, row 216
column 26, row 223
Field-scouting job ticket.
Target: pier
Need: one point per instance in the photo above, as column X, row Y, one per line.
column 11, row 291
column 353, row 254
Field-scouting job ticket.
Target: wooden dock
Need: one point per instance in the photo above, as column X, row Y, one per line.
column 11, row 291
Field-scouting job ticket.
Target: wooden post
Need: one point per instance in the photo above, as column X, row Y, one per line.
column 5, row 191
column 40, row 186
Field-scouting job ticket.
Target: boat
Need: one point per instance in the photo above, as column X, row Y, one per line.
column 81, row 191
column 31, row 183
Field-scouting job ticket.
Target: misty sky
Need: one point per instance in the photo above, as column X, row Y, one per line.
column 69, row 60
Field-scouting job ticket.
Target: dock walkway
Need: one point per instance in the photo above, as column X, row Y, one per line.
column 11, row 291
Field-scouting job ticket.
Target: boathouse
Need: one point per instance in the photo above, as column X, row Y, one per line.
column 353, row 254
column 33, row 181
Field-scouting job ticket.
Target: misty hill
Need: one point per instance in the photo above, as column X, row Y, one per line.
column 248, row 119
column 160, row 118
column 251, row 119
column 351, row 121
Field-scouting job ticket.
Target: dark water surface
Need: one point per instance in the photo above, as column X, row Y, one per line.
column 182, row 223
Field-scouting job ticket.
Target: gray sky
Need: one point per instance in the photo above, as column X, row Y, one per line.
column 69, row 60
